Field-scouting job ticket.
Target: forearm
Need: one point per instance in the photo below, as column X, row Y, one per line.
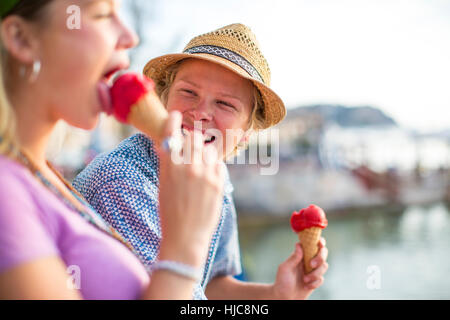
column 228, row 288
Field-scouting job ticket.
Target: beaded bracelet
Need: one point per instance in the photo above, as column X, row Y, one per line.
column 179, row 268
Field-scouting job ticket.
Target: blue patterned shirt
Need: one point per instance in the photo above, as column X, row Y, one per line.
column 123, row 186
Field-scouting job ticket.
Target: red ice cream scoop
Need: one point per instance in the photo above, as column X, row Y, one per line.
column 134, row 101
column 312, row 216
column 126, row 91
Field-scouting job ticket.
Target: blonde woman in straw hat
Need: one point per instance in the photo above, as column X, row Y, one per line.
column 47, row 230
column 220, row 82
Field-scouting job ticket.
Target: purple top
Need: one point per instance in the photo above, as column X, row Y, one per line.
column 35, row 224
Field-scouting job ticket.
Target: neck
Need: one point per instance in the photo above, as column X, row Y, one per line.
column 34, row 125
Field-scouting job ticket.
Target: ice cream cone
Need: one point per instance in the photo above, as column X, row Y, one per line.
column 308, row 224
column 309, row 239
column 135, row 102
column 149, row 116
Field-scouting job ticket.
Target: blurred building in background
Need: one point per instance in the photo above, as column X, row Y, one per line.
column 345, row 157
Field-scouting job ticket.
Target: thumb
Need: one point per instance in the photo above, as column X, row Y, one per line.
column 173, row 124
column 172, row 129
column 295, row 258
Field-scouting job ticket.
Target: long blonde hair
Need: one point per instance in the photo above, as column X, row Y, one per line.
column 8, row 141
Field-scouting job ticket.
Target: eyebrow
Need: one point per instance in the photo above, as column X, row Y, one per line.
column 91, row 2
column 190, row 82
column 227, row 95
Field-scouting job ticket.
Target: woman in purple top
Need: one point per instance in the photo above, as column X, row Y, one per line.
column 52, row 244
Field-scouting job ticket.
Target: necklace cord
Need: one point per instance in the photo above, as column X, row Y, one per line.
column 81, row 206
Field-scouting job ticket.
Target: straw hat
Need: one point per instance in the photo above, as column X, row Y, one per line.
column 234, row 47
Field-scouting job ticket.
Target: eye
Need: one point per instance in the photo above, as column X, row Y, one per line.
column 226, row 104
column 188, row 92
column 104, row 16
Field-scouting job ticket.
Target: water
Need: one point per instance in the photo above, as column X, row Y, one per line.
column 372, row 255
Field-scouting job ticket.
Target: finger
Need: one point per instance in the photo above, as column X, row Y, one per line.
column 295, row 258
column 210, row 159
column 210, row 156
column 173, row 124
column 316, row 274
column 192, row 147
column 320, row 258
column 315, row 284
column 197, row 147
column 173, row 138
column 322, row 242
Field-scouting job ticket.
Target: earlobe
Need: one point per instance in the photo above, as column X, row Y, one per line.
column 16, row 38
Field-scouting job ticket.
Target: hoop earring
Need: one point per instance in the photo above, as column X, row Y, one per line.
column 22, row 71
column 35, row 72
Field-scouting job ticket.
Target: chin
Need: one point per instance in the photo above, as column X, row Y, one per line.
column 93, row 123
column 86, row 124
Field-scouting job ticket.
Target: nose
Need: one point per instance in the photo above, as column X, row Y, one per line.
column 202, row 112
column 128, row 38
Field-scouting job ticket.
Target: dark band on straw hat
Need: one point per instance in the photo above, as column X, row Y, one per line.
column 230, row 56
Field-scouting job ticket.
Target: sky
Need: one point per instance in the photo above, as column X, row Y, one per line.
column 390, row 54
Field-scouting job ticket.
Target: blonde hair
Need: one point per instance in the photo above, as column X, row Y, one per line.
column 256, row 120
column 8, row 142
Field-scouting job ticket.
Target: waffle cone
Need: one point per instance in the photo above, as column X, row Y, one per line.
column 309, row 239
column 149, row 116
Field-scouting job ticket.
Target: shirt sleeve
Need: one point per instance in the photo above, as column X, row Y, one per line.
column 228, row 258
column 23, row 233
column 130, row 206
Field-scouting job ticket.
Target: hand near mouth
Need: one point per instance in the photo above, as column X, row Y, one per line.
column 190, row 197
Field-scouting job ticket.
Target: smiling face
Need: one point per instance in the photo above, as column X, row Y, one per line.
column 219, row 99
column 77, row 62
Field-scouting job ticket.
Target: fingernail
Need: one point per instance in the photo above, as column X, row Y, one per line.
column 313, row 264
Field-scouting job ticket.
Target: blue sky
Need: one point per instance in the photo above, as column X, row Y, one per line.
column 391, row 54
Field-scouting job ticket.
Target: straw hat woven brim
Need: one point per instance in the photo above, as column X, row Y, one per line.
column 274, row 109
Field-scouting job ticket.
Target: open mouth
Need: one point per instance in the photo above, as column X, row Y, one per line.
column 109, row 75
column 210, row 140
column 207, row 139
column 103, row 87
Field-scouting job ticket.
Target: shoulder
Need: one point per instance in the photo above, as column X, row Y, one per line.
column 22, row 198
column 136, row 151
column 14, row 178
column 9, row 165
column 133, row 159
column 26, row 223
